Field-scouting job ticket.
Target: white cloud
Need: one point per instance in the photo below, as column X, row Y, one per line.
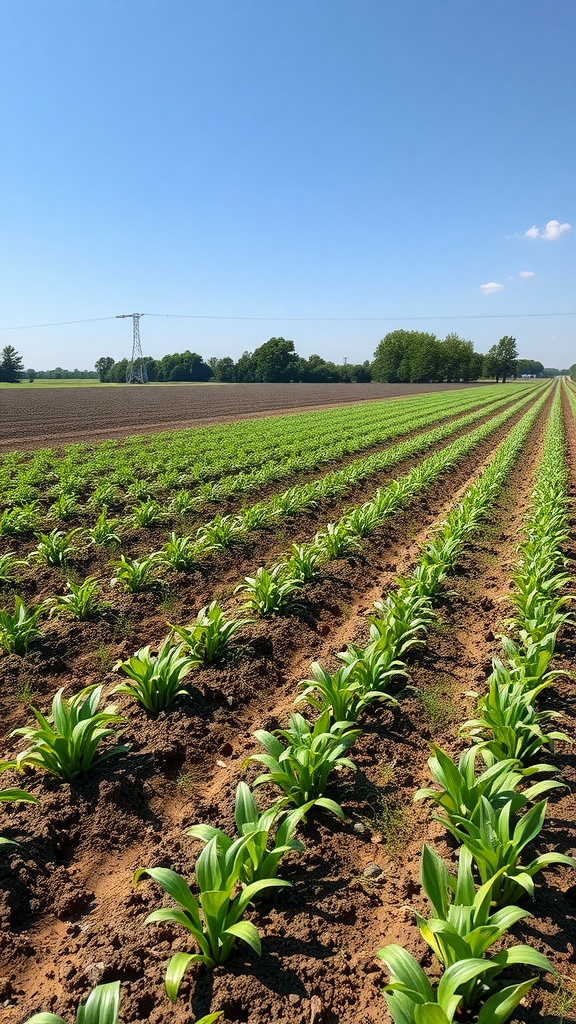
column 526, row 273
column 492, row 286
column 550, row 233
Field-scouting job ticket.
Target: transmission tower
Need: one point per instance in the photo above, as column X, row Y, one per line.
column 136, row 369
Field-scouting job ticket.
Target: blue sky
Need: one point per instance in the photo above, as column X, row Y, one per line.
column 324, row 170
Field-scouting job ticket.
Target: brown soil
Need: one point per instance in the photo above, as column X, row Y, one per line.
column 70, row 915
column 33, row 419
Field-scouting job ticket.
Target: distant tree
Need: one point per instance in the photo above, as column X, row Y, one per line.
column 11, row 365
column 550, row 371
column 31, row 374
column 225, row 370
column 501, row 359
column 275, row 362
column 406, row 356
column 529, row 366
column 104, row 365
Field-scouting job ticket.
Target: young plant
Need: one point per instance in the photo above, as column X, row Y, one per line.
column 8, row 565
column 303, row 562
column 17, row 521
column 214, row 917
column 464, row 926
column 411, row 999
column 65, row 507
column 82, row 602
column 65, row 744
column 462, row 791
column 17, row 631
column 508, row 724
column 270, row 835
column 135, row 574
column 156, row 681
column 496, row 844
column 148, row 513
column 101, row 1007
column 336, row 540
column 179, row 553
column 103, row 531
column 269, row 592
column 221, row 533
column 54, row 548
column 209, row 637
column 302, row 764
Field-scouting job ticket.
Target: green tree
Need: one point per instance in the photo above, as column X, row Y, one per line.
column 501, row 359
column 404, row 356
column 11, row 365
column 275, row 362
column 104, row 365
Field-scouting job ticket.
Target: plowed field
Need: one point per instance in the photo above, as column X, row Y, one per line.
column 71, row 918
column 30, row 419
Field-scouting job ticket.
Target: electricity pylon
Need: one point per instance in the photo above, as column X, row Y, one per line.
column 136, row 369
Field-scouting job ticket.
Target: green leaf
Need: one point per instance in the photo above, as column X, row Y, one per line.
column 498, row 1007
column 246, row 931
column 176, row 970
column 404, row 968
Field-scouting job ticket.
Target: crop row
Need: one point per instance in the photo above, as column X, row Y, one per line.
column 299, row 759
column 268, row 591
column 474, row 908
column 199, row 463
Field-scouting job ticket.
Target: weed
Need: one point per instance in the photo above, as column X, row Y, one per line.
column 560, row 1002
column 437, row 707
column 394, row 821
column 104, row 658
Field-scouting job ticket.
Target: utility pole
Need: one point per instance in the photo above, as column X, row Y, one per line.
column 136, row 370
column 345, row 367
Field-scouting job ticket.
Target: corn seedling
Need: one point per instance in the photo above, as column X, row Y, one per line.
column 462, row 792
column 17, row 521
column 221, row 533
column 303, row 562
column 8, row 565
column 257, row 517
column 17, row 631
column 82, row 602
column 179, row 553
column 65, row 744
column 148, row 513
column 54, row 548
column 182, row 502
column 135, row 574
column 302, row 764
column 336, row 540
column 496, row 844
column 213, row 918
column 270, row 835
column 508, row 724
column 463, row 925
column 270, row 591
column 156, row 681
column 103, row 531
column 207, row 639
column 411, row 999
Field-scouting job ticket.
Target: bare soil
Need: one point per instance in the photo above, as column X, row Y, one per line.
column 34, row 419
column 70, row 915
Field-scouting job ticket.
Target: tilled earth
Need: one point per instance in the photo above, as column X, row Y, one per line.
column 71, row 917
column 51, row 416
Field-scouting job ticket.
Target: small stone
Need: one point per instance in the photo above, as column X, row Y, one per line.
column 359, row 827
column 373, row 870
column 294, row 999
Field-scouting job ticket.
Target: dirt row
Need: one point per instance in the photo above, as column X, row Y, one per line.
column 47, row 417
column 70, row 916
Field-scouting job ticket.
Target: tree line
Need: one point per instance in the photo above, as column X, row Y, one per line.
column 401, row 357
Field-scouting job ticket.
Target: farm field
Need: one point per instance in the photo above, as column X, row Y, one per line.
column 418, row 505
column 32, row 417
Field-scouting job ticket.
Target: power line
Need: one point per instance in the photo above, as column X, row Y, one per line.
column 301, row 319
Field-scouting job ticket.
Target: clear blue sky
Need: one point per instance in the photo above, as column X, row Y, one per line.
column 286, row 159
